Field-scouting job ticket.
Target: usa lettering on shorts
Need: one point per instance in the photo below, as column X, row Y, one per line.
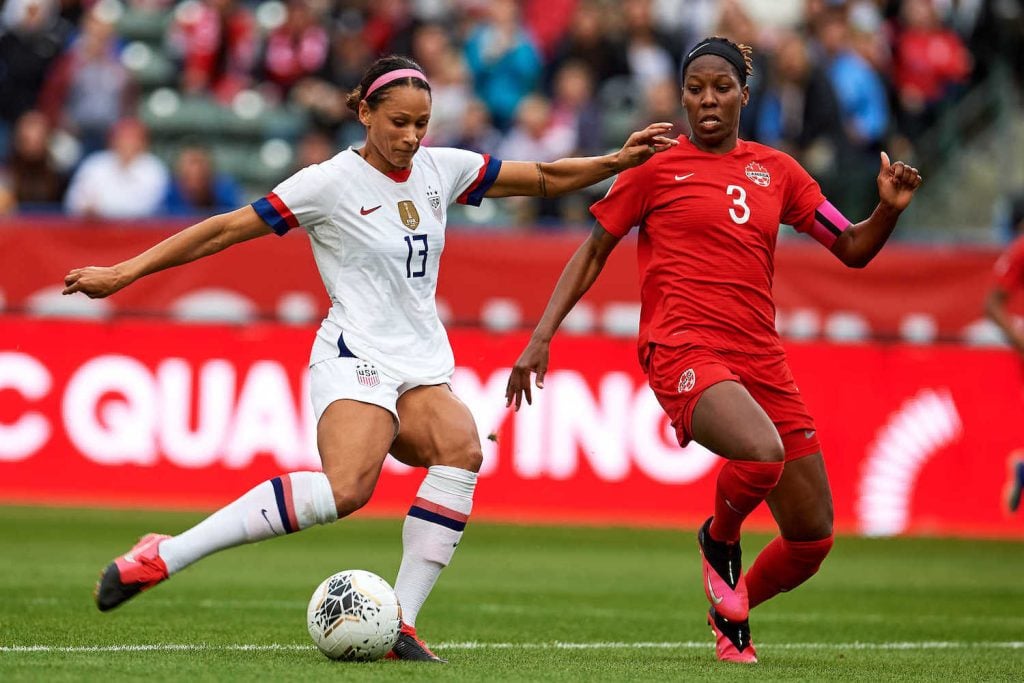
column 367, row 375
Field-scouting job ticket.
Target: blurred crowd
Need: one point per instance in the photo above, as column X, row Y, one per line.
column 834, row 82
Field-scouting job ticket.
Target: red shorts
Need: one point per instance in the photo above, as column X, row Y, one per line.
column 680, row 374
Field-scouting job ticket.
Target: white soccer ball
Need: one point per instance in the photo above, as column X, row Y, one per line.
column 354, row 616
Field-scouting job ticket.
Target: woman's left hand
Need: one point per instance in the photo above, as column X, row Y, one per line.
column 897, row 183
column 644, row 144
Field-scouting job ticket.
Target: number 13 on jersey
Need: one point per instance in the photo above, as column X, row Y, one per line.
column 419, row 249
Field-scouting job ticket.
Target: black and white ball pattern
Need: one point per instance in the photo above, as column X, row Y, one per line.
column 354, row 616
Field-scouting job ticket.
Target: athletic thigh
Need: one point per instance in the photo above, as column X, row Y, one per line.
column 728, row 421
column 436, row 428
column 802, row 500
column 353, row 439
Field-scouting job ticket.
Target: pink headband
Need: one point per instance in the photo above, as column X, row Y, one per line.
column 393, row 76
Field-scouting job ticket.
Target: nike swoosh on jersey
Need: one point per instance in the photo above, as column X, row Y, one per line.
column 367, row 212
column 683, row 177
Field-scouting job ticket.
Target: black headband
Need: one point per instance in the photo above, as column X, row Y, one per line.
column 719, row 48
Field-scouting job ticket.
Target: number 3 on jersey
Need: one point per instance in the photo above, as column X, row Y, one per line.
column 422, row 253
column 740, row 201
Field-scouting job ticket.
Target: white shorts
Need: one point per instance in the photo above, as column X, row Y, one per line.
column 335, row 379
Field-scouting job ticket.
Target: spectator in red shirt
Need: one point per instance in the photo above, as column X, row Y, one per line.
column 708, row 212
column 216, row 40
column 930, row 60
column 296, row 49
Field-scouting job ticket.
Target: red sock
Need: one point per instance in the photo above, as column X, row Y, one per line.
column 783, row 565
column 742, row 485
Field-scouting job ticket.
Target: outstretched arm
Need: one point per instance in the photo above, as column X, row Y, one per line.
column 860, row 243
column 535, row 179
column 995, row 309
column 202, row 239
column 578, row 275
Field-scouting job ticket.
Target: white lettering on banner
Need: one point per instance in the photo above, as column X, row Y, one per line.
column 116, row 411
column 266, row 421
column 597, row 428
column 487, row 403
column 528, row 456
column 30, row 432
column 114, row 431
column 655, row 448
column 215, row 395
column 628, row 425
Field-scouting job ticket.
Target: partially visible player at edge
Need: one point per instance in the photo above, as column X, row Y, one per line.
column 381, row 362
column 1009, row 280
column 708, row 213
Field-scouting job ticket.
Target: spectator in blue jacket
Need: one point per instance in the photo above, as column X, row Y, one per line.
column 503, row 61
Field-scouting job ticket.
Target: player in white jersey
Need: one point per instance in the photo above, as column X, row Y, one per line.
column 381, row 362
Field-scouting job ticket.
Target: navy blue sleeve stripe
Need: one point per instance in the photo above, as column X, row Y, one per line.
column 490, row 175
column 266, row 211
column 428, row 516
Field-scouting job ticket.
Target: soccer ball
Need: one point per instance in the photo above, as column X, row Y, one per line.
column 354, row 616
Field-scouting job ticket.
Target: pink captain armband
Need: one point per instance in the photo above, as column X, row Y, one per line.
column 828, row 224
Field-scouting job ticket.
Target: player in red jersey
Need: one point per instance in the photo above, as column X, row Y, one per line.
column 1009, row 280
column 708, row 213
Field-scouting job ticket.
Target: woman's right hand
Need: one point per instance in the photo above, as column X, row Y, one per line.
column 533, row 359
column 95, row 282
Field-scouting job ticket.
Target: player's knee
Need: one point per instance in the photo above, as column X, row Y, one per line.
column 765, row 449
column 466, row 456
column 349, row 496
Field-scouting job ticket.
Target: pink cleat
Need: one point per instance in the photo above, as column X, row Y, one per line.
column 724, row 583
column 732, row 639
column 410, row 647
column 137, row 570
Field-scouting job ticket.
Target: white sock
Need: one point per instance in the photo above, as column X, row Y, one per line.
column 279, row 506
column 431, row 532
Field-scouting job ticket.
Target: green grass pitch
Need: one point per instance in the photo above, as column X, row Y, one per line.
column 518, row 603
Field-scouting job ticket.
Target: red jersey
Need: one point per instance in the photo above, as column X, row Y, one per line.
column 1010, row 267
column 708, row 227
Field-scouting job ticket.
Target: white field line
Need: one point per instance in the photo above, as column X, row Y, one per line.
column 556, row 645
column 584, row 611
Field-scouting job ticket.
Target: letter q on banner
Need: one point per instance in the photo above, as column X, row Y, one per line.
column 112, row 431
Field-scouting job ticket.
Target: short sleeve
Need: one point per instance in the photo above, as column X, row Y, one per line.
column 467, row 175
column 303, row 200
column 801, row 198
column 1009, row 269
column 625, row 204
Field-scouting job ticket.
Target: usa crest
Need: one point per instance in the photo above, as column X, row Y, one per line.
column 434, row 199
column 758, row 174
column 367, row 375
column 410, row 216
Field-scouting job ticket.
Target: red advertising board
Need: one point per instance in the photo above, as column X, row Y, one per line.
column 154, row 414
column 933, row 291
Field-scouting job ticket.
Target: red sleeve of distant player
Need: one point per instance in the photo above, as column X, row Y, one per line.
column 625, row 205
column 1010, row 267
column 802, row 196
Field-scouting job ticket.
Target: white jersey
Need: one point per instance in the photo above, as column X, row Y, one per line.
column 377, row 239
